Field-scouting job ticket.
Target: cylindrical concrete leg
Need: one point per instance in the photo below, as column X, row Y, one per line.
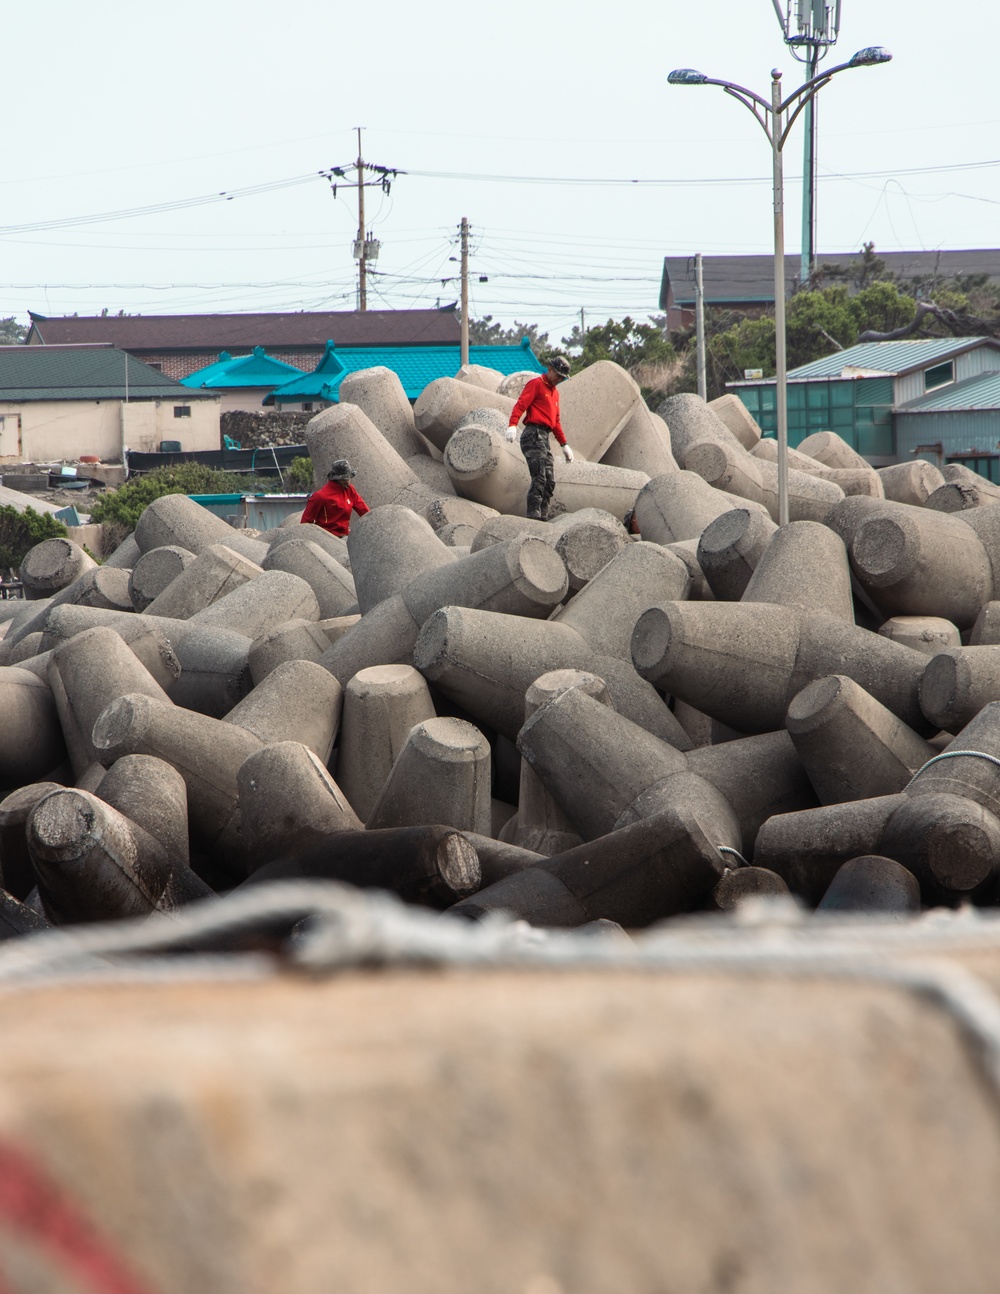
column 957, row 684
column 949, row 843
column 294, row 640
column 260, row 605
column 299, row 701
column 155, row 571
column 430, row 865
column 872, row 884
column 379, row 394
column 17, row 876
column 85, row 675
column 912, row 482
column 331, row 583
column 31, row 737
column 730, row 549
column 442, row 774
column 381, row 706
column 288, row 802
column 52, row 565
column 177, row 519
column 741, row 883
column 926, row 634
column 389, row 548
column 151, row 793
column 804, row 566
column 852, row 747
column 214, row 671
column 93, row 863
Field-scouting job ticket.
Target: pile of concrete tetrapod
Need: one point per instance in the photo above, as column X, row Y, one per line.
column 480, row 712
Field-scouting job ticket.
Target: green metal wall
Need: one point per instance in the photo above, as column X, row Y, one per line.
column 860, row 411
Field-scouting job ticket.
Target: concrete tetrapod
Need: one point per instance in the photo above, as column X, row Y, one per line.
column 641, row 874
column 18, row 919
column 94, row 589
column 442, row 774
column 926, row 634
column 680, row 505
column 804, row 566
column 335, row 545
column 480, row 375
column 443, row 403
column 872, row 884
column 31, row 736
column 206, row 752
column 595, row 405
column 177, row 520
column 742, row 663
column 589, row 540
column 851, row 480
column 832, row 451
column 294, row 640
column 455, row 511
column 52, row 565
column 381, row 705
column 379, row 394
column 430, row 865
column 607, row 608
column 152, row 794
column 215, row 572
column 17, row 876
column 154, row 571
column 260, row 605
column 912, row 482
column 741, row 883
column 85, row 675
column 737, row 419
column 343, row 431
column 642, row 445
column 540, row 824
column 692, row 421
column 730, row 548
column 957, row 683
column 486, row 662
column 523, row 577
column 298, row 701
column 852, row 747
column 916, row 562
column 331, row 582
column 93, row 863
column 389, row 548
column 214, row 671
column 288, row 801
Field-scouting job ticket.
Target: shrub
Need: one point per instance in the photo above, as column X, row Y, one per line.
column 21, row 531
column 300, row 475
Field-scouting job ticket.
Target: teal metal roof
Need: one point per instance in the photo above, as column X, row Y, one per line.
column 980, row 392
column 81, row 373
column 416, row 366
column 257, row 369
column 892, row 357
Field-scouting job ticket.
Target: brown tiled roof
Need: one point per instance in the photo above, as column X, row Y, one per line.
column 244, row 331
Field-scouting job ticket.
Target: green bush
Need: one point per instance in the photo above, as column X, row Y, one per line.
column 21, row 531
column 119, row 510
column 300, row 475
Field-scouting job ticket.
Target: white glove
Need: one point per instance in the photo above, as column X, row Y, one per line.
column 567, row 454
column 511, row 434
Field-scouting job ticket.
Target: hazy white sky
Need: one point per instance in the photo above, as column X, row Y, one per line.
column 111, row 107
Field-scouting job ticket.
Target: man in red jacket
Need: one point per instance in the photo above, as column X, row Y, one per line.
column 331, row 505
column 539, row 402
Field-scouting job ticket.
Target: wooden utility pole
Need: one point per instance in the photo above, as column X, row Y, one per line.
column 362, row 259
column 465, row 290
column 699, row 323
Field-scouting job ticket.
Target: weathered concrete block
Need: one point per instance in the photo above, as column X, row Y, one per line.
column 444, row 402
column 680, row 505
column 737, row 419
column 294, row 640
column 804, row 566
column 926, row 634
column 730, row 548
column 216, row 571
column 595, row 405
column 260, row 605
column 381, row 706
column 288, row 802
column 344, row 431
column 214, row 670
column 328, row 579
column 389, row 548
column 872, row 884
column 31, row 739
column 176, row 519
column 480, row 375
column 442, row 774
column 642, row 445
column 154, row 571
column 831, row 450
column 912, row 482
column 379, row 394
column 51, row 566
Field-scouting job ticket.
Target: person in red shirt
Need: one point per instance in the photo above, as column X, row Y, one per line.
column 539, row 402
column 331, row 505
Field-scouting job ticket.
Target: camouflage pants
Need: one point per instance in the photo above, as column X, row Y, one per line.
column 538, row 456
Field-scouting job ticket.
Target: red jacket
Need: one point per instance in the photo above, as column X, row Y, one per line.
column 331, row 507
column 539, row 402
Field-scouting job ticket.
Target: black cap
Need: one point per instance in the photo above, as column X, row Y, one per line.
column 560, row 366
column 340, row 469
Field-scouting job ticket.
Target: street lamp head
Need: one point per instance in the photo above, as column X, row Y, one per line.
column 870, row 56
column 686, row 76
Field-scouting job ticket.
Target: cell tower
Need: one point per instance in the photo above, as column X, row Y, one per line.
column 810, row 27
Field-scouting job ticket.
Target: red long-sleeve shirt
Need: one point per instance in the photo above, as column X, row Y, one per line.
column 331, row 507
column 539, row 402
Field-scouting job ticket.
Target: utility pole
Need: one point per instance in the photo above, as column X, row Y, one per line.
column 366, row 248
column 465, row 290
column 809, row 32
column 699, row 324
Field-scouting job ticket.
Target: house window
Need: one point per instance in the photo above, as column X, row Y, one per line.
column 939, row 375
column 154, row 363
column 307, row 408
column 182, row 411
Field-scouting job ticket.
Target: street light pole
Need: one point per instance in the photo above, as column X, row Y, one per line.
column 776, row 118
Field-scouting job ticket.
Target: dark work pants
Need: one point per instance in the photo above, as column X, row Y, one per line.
column 538, row 456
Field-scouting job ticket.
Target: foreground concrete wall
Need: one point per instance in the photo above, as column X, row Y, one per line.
column 502, row 1132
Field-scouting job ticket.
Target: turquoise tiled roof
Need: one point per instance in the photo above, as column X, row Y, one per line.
column 980, row 392
column 889, row 356
column 416, row 366
column 256, row 369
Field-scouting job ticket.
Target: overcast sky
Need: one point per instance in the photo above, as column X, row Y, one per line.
column 518, row 117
